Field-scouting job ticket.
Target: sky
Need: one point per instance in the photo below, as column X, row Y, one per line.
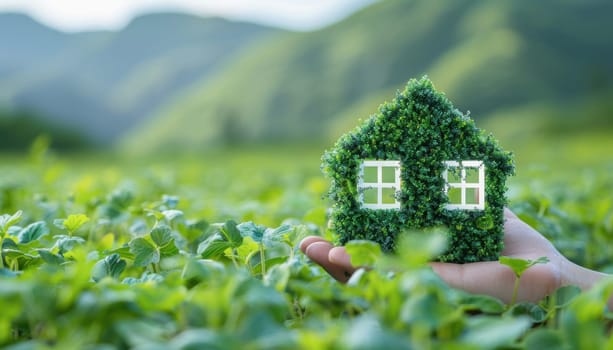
column 80, row 15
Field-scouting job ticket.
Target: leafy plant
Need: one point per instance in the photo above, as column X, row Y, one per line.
column 519, row 266
column 178, row 256
column 72, row 223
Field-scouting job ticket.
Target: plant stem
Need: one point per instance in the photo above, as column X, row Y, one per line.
column 155, row 267
column 552, row 312
column 233, row 256
column 1, row 255
column 262, row 259
column 515, row 290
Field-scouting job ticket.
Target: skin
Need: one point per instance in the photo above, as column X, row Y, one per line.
column 490, row 278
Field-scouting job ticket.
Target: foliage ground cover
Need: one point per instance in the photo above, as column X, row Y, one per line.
column 201, row 252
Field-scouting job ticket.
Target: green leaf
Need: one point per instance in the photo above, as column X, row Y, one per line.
column 124, row 252
column 7, row 221
column 8, row 273
column 146, row 277
column 170, row 201
column 74, row 221
column 262, row 234
column 227, row 236
column 50, row 258
column 196, row 271
column 161, row 235
column 155, row 213
column 517, row 265
column 9, row 244
column 257, row 268
column 200, row 339
column 33, row 232
column 20, row 260
column 247, row 250
column 249, row 229
column 121, row 198
column 544, row 339
column 483, row 303
column 66, row 243
column 565, row 295
column 172, row 214
column 213, row 246
column 367, row 332
column 231, row 233
column 417, row 248
column 277, row 233
column 254, row 296
column 488, row 332
column 111, row 265
column 143, row 332
column 277, row 276
column 169, row 249
column 363, row 252
column 535, row 312
column 520, row 265
column 144, row 252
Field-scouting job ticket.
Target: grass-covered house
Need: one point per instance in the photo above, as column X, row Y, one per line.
column 418, row 163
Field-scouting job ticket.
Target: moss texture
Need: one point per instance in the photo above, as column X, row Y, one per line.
column 421, row 128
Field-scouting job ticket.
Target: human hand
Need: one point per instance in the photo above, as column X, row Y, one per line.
column 334, row 260
column 491, row 278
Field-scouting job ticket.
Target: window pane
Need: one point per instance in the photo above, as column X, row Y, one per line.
column 453, row 175
column 389, row 174
column 370, row 196
column 472, row 175
column 370, row 174
column 472, row 196
column 388, row 196
column 455, row 195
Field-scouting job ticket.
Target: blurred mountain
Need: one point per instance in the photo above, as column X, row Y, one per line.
column 487, row 56
column 17, row 52
column 106, row 82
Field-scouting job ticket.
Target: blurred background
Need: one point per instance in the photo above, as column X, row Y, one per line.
column 177, row 77
column 110, row 108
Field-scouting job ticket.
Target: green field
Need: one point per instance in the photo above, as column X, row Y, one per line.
column 156, row 179
column 200, row 251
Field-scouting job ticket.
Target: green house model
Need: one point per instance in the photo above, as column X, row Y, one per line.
column 419, row 163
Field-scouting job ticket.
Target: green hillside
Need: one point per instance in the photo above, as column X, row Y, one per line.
column 487, row 57
column 18, row 53
column 104, row 82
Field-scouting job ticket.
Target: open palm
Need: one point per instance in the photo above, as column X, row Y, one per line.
column 491, row 278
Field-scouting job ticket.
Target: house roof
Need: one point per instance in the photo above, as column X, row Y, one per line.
column 419, row 122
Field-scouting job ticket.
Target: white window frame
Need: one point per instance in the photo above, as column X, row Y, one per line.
column 379, row 185
column 463, row 185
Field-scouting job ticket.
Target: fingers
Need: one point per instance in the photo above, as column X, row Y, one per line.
column 319, row 252
column 308, row 240
column 339, row 257
column 334, row 260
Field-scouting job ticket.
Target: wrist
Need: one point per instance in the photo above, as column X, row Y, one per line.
column 575, row 275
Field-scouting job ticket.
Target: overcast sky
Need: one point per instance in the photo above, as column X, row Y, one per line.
column 77, row 15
